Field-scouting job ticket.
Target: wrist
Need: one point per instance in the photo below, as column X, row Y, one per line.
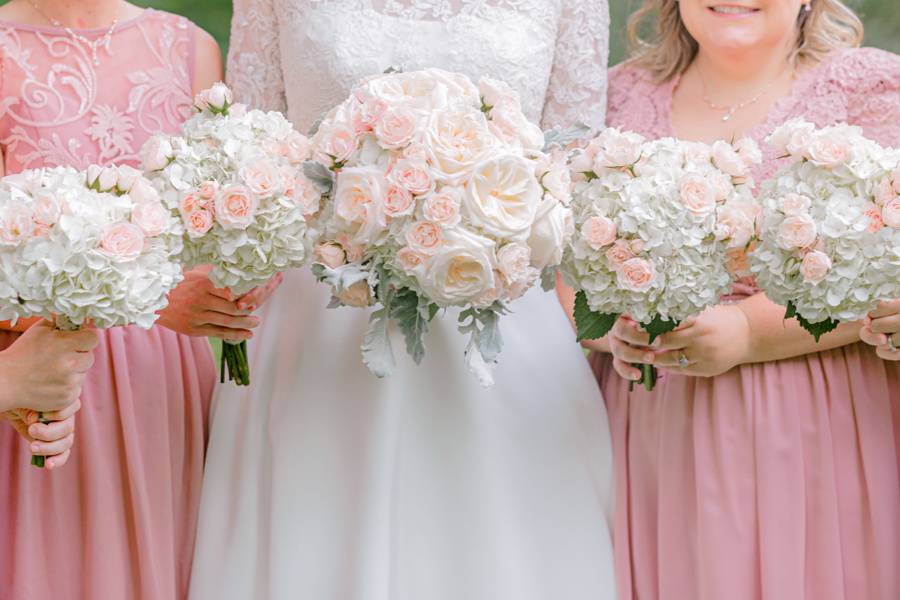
column 748, row 352
column 8, row 392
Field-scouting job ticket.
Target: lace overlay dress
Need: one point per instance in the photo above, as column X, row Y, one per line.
column 324, row 482
column 118, row 521
column 775, row 481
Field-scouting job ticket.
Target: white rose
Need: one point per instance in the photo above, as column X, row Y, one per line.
column 218, row 97
column 735, row 225
column 796, row 232
column 443, row 208
column 510, row 124
column 828, row 149
column 815, row 266
column 792, row 138
column 456, row 141
column 614, row 149
column 556, row 177
column 396, row 128
column 151, row 217
column 417, row 90
column 728, row 160
column 494, row 92
column 697, row 195
column 108, row 179
column 550, row 234
column 793, row 205
column 503, row 196
column 749, row 152
column 128, row 176
column 157, row 153
column 462, row 271
column 514, row 261
column 358, row 201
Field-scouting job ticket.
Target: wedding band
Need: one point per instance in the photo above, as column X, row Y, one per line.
column 891, row 345
column 683, row 361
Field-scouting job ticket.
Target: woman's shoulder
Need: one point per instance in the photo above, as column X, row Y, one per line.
column 859, row 71
column 166, row 20
column 636, row 100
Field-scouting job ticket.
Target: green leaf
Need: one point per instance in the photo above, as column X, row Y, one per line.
column 791, row 311
column 319, row 176
column 591, row 325
column 377, row 352
column 412, row 317
column 563, row 138
column 659, row 326
column 816, row 329
column 548, row 279
column 433, row 310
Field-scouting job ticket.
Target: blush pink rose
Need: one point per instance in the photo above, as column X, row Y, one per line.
column 424, row 237
column 697, row 195
column 198, row 222
column 16, row 224
column 123, row 241
column 306, row 195
column 296, row 148
column 726, row 159
column 45, row 209
column 636, row 275
column 192, row 201
column 876, row 223
column 890, row 213
column 410, row 260
column 235, row 207
column 514, row 261
column 208, row 190
column 599, row 232
column 413, row 176
column 895, row 180
column 396, row 128
column 443, row 208
column 331, row 255
column 398, row 201
column 355, row 253
column 151, row 217
column 262, row 178
column 815, row 266
column 619, row 253
column 367, row 114
column 340, row 142
column 828, row 150
column 797, row 232
column 794, row 205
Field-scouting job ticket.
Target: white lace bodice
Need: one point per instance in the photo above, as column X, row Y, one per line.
column 304, row 56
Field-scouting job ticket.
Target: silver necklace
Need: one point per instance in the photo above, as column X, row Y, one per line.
column 92, row 45
column 730, row 110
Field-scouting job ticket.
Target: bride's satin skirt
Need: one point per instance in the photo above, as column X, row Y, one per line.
column 325, row 483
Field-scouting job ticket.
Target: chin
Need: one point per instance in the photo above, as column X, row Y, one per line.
column 737, row 26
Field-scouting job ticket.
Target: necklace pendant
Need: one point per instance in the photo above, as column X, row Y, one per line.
column 726, row 118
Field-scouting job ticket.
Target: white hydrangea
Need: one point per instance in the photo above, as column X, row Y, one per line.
column 95, row 247
column 442, row 197
column 830, row 236
column 655, row 223
column 234, row 177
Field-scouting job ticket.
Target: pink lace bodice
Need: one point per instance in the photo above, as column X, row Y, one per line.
column 860, row 86
column 58, row 108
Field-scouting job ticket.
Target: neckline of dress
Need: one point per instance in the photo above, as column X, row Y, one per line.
column 767, row 125
column 82, row 31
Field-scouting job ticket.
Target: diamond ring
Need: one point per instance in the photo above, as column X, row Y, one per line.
column 891, row 345
column 683, row 361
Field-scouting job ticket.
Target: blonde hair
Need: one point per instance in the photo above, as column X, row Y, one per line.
column 828, row 26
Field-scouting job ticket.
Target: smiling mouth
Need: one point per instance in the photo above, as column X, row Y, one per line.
column 733, row 10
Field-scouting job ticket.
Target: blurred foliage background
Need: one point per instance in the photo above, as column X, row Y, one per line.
column 882, row 18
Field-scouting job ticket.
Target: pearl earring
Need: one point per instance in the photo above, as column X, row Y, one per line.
column 807, row 7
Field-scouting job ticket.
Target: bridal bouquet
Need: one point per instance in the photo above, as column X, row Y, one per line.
column 233, row 178
column 830, row 247
column 655, row 222
column 80, row 248
column 438, row 195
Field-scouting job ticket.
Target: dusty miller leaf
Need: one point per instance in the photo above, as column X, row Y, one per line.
column 319, row 175
column 565, row 137
column 412, row 316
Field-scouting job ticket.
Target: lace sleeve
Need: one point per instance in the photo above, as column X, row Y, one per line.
column 874, row 97
column 254, row 58
column 579, row 79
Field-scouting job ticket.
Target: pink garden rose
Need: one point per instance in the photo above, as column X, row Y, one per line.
column 123, row 241
column 890, row 213
column 895, row 180
column 358, row 295
column 443, row 207
column 815, row 266
column 794, row 205
column 697, row 195
column 151, row 217
column 828, row 149
column 339, row 143
column 514, row 262
column 619, row 253
column 17, row 225
column 396, row 128
column 45, row 208
column 192, row 201
column 296, row 148
column 398, row 201
column 262, row 178
column 414, row 176
column 636, row 275
column 410, row 260
column 424, row 237
column 727, row 159
column 235, row 207
column 884, row 192
column 208, row 190
column 198, row 222
column 876, row 223
column 797, row 232
column 599, row 232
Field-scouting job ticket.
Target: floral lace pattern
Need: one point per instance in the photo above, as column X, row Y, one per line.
column 59, row 109
column 860, row 86
column 303, row 56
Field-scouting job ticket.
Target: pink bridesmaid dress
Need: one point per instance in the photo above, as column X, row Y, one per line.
column 774, row 481
column 118, row 521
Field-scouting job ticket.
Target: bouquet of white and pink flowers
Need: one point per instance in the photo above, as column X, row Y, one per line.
column 830, row 239
column 234, row 177
column 655, row 222
column 439, row 195
column 95, row 248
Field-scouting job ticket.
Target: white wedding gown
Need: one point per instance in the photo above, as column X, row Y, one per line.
column 324, row 483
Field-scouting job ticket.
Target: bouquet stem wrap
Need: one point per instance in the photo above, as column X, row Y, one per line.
column 234, row 362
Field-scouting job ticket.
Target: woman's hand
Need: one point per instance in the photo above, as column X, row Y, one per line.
column 258, row 296
column 629, row 345
column 198, row 309
column 709, row 345
column 44, row 368
column 53, row 440
column 882, row 330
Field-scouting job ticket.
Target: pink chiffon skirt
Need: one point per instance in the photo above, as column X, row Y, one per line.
column 776, row 481
column 118, row 521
